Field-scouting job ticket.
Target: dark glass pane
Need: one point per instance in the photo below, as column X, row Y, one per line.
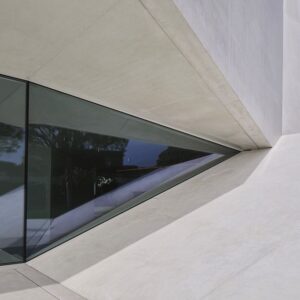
column 12, row 149
column 86, row 161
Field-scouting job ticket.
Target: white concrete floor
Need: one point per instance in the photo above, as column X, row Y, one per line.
column 232, row 232
column 21, row 281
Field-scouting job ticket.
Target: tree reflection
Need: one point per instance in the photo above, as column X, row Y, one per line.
column 69, row 167
column 68, row 139
column 78, row 159
column 11, row 138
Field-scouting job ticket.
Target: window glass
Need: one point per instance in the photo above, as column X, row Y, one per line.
column 12, row 160
column 86, row 162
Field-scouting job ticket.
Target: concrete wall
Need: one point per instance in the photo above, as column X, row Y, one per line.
column 245, row 39
column 137, row 56
column 291, row 82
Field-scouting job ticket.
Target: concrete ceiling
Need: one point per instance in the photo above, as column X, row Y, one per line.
column 139, row 57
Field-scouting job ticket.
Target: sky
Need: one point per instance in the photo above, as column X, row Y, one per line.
column 142, row 154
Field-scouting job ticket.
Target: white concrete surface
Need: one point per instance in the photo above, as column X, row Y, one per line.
column 23, row 282
column 128, row 55
column 232, row 232
column 245, row 39
column 291, row 70
column 242, row 245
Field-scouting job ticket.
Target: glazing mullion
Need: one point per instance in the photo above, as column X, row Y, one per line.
column 26, row 169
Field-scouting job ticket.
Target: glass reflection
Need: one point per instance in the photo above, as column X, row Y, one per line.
column 12, row 158
column 85, row 164
column 94, row 173
column 85, row 161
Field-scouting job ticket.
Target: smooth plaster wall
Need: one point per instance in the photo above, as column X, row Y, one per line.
column 245, row 39
column 291, row 71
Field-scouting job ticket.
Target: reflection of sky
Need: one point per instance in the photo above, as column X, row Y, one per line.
column 142, row 154
column 14, row 157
